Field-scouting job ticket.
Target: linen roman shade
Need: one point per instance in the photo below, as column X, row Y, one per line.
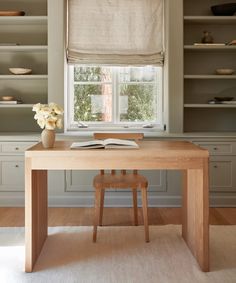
column 115, row 32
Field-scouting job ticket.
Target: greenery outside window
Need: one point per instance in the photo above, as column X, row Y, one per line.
column 114, row 97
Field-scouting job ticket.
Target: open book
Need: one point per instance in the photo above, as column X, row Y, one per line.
column 107, row 143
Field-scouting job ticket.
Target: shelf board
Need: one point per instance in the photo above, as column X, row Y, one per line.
column 210, row 48
column 24, row 20
column 210, row 105
column 28, row 48
column 210, row 77
column 23, row 77
column 16, row 106
column 210, row 19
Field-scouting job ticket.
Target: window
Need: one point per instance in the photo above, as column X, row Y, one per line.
column 125, row 97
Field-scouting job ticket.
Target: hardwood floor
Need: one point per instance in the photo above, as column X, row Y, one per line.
column 14, row 217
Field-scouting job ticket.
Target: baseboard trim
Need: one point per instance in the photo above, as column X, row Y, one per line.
column 115, row 201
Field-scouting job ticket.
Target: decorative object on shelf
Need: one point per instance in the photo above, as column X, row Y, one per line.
column 232, row 102
column 11, row 13
column 233, row 42
column 225, row 71
column 207, row 37
column 20, row 71
column 220, row 99
column 49, row 117
column 7, row 98
column 228, row 9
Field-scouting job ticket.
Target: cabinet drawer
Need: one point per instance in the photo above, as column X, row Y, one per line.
column 15, row 147
column 219, row 148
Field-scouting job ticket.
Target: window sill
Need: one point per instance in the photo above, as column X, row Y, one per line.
column 148, row 132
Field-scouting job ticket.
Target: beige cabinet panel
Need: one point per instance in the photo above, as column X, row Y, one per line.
column 12, row 175
column 222, row 174
column 79, row 181
column 83, row 180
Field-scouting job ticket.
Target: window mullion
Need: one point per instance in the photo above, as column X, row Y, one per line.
column 115, row 103
column 117, row 95
column 70, row 106
column 159, row 91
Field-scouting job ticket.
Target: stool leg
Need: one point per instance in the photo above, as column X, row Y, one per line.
column 135, row 206
column 96, row 213
column 145, row 213
column 101, row 206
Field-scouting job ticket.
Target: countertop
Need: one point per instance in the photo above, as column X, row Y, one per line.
column 33, row 136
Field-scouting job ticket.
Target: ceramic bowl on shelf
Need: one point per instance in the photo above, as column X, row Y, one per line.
column 225, row 71
column 12, row 13
column 7, row 98
column 222, row 98
column 20, row 71
column 228, row 9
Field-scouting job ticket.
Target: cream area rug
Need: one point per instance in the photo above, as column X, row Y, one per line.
column 119, row 256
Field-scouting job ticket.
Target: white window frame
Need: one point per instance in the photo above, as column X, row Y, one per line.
column 72, row 126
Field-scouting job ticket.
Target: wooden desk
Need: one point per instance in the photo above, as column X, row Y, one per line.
column 178, row 155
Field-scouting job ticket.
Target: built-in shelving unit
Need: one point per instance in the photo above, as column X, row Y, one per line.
column 28, row 48
column 210, row 77
column 23, row 44
column 23, row 77
column 35, row 20
column 201, row 83
column 210, row 105
column 16, row 106
column 210, row 19
column 225, row 48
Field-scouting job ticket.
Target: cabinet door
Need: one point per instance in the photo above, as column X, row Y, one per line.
column 156, row 180
column 222, row 174
column 82, row 181
column 11, row 174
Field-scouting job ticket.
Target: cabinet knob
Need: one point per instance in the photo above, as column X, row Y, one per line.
column 16, row 165
column 215, row 148
column 215, row 166
column 16, row 148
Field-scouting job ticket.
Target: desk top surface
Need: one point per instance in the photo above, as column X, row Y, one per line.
column 146, row 148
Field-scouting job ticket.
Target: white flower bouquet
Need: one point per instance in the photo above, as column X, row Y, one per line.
column 48, row 116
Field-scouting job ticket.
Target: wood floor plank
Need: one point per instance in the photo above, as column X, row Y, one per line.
column 14, row 216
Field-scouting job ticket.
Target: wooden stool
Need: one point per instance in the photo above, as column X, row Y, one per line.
column 123, row 180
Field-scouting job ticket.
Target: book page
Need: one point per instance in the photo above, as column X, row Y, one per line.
column 116, row 143
column 88, row 144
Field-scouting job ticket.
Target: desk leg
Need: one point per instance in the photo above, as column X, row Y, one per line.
column 195, row 225
column 36, row 216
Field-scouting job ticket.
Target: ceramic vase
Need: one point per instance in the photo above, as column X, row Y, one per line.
column 48, row 138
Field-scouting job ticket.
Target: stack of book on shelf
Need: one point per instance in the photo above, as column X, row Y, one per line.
column 9, row 102
column 209, row 44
